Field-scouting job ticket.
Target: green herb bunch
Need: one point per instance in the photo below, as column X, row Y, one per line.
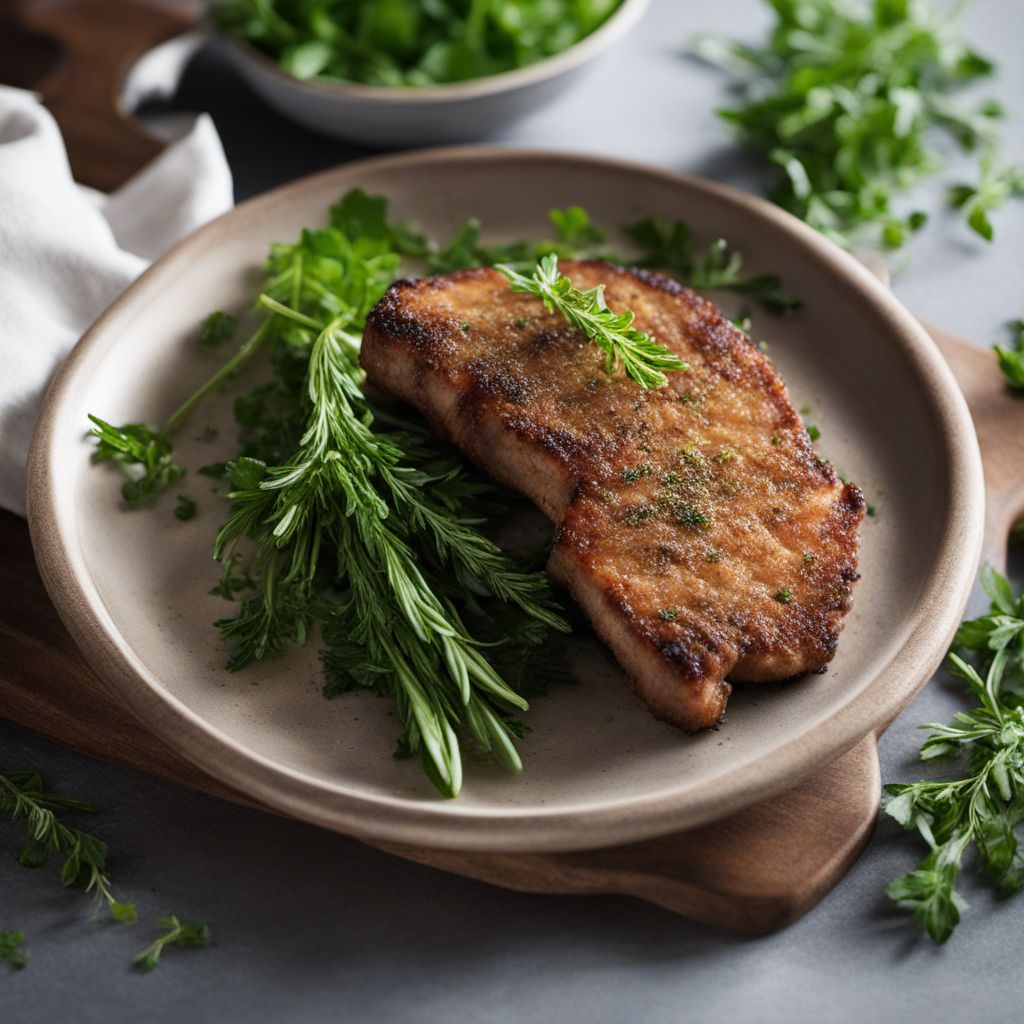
column 370, row 531
column 851, row 101
column 344, row 518
column 983, row 808
column 405, row 43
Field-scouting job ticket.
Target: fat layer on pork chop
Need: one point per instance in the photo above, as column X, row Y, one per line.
column 697, row 527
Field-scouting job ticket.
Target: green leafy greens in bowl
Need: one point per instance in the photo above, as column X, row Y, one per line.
column 401, row 43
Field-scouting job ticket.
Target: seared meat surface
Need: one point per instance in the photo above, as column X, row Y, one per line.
column 696, row 526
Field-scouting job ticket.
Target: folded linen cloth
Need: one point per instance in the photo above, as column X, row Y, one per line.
column 66, row 252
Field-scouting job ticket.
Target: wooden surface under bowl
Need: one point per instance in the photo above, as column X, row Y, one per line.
column 132, row 584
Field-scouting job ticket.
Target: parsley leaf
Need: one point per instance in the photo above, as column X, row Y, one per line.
column 217, row 329
column 144, row 454
column 997, row 182
column 668, row 246
column 641, row 357
column 185, row 509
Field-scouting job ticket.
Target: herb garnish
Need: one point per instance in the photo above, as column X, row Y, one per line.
column 23, row 798
column 983, row 809
column 850, row 102
column 185, row 935
column 217, row 328
column 11, row 950
column 640, row 356
column 185, row 509
column 365, row 529
column 668, row 246
column 397, row 43
column 144, row 455
column 1011, row 359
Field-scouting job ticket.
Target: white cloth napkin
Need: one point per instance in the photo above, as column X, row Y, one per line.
column 66, row 252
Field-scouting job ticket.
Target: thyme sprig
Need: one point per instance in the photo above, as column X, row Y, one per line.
column 642, row 358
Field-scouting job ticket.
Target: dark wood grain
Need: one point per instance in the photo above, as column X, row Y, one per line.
column 76, row 54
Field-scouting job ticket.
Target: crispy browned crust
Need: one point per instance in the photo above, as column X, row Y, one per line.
column 697, row 527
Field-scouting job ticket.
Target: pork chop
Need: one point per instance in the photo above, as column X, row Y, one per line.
column 697, row 527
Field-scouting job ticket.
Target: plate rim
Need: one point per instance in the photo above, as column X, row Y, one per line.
column 611, row 823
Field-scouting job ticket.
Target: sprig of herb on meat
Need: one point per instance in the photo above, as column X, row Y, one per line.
column 850, row 102
column 982, row 810
column 642, row 358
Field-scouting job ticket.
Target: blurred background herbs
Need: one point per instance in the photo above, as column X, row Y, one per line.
column 855, row 102
column 403, row 43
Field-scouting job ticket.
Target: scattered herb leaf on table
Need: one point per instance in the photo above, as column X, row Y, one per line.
column 982, row 809
column 853, row 101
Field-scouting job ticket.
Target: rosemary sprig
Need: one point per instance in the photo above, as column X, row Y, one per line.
column 640, row 356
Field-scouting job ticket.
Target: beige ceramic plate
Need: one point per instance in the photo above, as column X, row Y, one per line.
column 132, row 584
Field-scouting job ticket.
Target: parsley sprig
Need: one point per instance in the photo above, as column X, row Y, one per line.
column 850, row 101
column 983, row 808
column 642, row 358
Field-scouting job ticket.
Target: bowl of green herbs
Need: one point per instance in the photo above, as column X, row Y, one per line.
column 405, row 72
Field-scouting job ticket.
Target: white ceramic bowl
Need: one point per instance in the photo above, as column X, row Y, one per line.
column 413, row 116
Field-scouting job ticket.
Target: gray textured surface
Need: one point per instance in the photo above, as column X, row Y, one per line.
column 314, row 927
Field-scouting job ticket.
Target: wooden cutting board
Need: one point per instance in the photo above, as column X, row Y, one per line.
column 755, row 871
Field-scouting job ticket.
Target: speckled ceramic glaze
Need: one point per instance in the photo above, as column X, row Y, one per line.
column 132, row 585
